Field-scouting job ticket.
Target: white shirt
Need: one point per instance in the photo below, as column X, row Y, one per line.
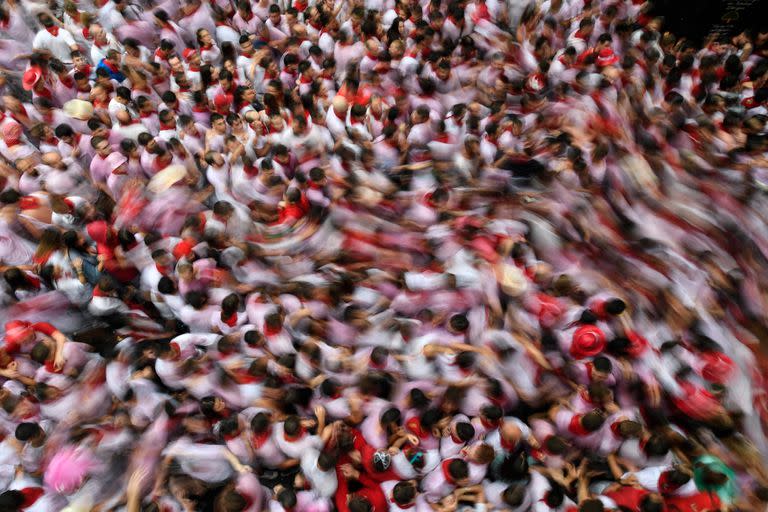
column 324, row 483
column 59, row 46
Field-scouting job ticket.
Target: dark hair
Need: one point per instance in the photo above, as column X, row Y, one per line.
column 287, row 498
column 27, row 430
column 614, row 306
column 465, row 431
column 555, row 445
column 11, row 501
column 260, row 422
column 403, row 493
column 591, row 505
column 648, row 504
column 292, row 425
column 206, row 406
column 391, row 415
column 593, row 420
column 602, row 364
column 458, row 469
column 359, row 504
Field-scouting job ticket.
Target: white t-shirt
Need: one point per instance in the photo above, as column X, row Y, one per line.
column 324, row 483
column 60, row 46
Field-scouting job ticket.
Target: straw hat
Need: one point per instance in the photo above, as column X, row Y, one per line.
column 512, row 280
column 166, row 178
column 79, row 109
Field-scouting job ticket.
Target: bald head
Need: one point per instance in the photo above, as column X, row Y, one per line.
column 123, row 117
column 510, row 432
column 340, row 105
column 51, row 159
column 372, row 46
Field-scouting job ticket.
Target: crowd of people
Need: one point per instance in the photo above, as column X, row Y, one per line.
column 375, row 255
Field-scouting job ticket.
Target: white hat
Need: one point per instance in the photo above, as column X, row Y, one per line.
column 512, row 280
column 79, row 109
column 166, row 178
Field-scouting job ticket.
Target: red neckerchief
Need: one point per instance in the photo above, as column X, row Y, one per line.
column 230, row 437
column 54, row 30
column 161, row 54
column 258, row 440
column 293, row 439
column 615, row 429
column 665, row 487
column 164, row 126
column 447, row 474
column 300, row 5
column 575, row 426
column 164, row 269
column 44, row 93
column 193, row 11
column 271, row 331
column 231, row 320
column 67, row 81
column 414, row 425
column 50, row 368
column 145, row 115
column 374, row 364
column 488, row 424
column 206, row 47
column 508, row 446
column 98, row 292
column 158, row 165
column 31, row 495
column 28, row 202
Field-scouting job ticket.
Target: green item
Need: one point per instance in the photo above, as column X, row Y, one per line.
column 707, row 471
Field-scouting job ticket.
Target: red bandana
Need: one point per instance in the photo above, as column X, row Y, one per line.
column 576, row 428
column 54, row 30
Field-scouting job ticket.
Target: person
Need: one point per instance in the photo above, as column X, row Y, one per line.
column 368, row 256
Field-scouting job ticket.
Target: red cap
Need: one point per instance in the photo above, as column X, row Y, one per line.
column 222, row 102
column 588, row 341
column 606, row 57
column 183, row 248
column 717, row 368
column 188, row 53
column 31, row 77
column 16, row 332
column 637, row 344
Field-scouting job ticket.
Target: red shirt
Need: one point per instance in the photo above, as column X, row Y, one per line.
column 700, row 502
column 628, row 497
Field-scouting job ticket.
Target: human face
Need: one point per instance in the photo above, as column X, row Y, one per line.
column 275, row 18
column 205, row 37
column 176, row 65
column 104, row 148
column 220, row 125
